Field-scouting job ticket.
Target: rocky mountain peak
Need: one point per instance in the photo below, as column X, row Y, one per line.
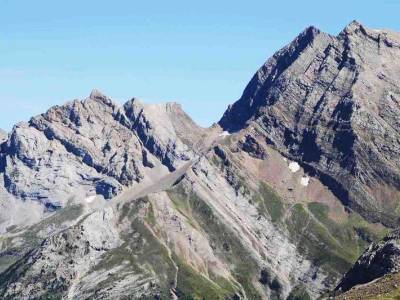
column 307, row 35
column 247, row 107
column 313, row 98
column 97, row 95
column 96, row 143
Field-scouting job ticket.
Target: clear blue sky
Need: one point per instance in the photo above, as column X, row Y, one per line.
column 199, row 53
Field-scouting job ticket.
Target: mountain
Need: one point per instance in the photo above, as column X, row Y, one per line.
column 333, row 104
column 275, row 201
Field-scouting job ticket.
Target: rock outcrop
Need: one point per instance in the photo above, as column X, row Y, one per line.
column 378, row 260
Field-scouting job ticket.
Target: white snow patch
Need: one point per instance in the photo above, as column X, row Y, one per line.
column 224, row 133
column 304, row 180
column 90, row 199
column 294, row 166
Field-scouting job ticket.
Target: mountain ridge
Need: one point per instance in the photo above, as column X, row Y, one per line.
column 276, row 201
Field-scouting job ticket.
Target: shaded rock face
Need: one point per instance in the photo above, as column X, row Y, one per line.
column 251, row 146
column 332, row 103
column 377, row 261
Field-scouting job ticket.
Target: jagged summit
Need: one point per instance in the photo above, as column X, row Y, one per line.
column 309, row 42
column 353, row 26
column 322, row 100
column 95, row 94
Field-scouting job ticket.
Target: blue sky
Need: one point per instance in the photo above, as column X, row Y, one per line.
column 199, row 53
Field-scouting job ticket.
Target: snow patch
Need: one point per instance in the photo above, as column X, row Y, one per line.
column 294, row 166
column 90, row 199
column 224, row 133
column 304, row 180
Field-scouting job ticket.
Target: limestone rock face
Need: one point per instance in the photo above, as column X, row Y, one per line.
column 165, row 130
column 94, row 143
column 332, row 104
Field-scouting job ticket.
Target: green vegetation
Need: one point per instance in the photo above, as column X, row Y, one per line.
column 183, row 206
column 315, row 242
column 192, row 285
column 384, row 288
column 269, row 203
column 299, row 292
column 354, row 235
column 225, row 243
column 141, row 252
column 332, row 245
column 150, row 218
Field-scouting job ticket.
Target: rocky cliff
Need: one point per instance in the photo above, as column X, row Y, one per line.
column 277, row 201
column 379, row 264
